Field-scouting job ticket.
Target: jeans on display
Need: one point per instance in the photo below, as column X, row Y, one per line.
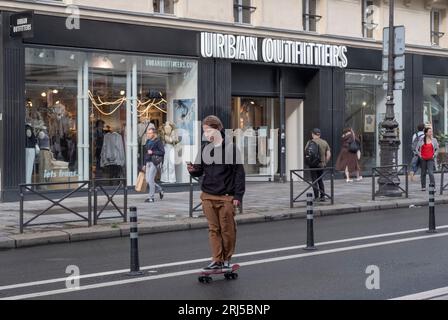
column 30, row 154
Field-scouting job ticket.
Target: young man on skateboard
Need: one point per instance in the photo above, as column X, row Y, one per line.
column 223, row 187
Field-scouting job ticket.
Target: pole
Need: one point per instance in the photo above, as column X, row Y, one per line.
column 309, row 223
column 432, row 216
column 389, row 142
column 135, row 265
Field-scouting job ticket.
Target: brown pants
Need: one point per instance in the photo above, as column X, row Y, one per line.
column 220, row 214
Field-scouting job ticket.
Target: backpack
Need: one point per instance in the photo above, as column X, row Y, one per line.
column 312, row 154
column 415, row 142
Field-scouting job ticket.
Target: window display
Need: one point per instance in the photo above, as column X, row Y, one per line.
column 435, row 104
column 87, row 114
column 365, row 107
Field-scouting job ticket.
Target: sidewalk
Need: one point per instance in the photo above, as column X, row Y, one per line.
column 264, row 201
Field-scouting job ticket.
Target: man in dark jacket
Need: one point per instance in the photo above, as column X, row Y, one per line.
column 223, row 187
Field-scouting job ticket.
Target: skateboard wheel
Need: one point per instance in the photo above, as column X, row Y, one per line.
column 227, row 276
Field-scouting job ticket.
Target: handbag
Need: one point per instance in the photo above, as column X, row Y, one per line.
column 157, row 160
column 354, row 146
column 141, row 185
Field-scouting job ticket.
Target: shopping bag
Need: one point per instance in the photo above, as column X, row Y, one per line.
column 141, row 185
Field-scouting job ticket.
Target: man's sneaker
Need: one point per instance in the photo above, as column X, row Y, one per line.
column 214, row 266
column 161, row 194
column 322, row 199
column 423, row 189
column 150, row 200
column 226, row 266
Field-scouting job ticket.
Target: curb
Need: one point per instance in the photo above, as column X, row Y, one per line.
column 122, row 230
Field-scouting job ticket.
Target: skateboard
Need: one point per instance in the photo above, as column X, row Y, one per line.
column 206, row 276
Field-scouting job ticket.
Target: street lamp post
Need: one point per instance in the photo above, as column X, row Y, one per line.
column 390, row 142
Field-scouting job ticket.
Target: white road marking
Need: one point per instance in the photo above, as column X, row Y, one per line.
column 425, row 295
column 248, row 263
column 179, row 263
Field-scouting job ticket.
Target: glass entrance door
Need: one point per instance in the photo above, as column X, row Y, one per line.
column 256, row 122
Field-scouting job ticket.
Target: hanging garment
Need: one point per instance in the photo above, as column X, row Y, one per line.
column 112, row 152
column 168, row 169
column 30, row 154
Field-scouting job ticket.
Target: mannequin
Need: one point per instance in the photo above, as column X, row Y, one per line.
column 30, row 152
column 170, row 139
column 45, row 154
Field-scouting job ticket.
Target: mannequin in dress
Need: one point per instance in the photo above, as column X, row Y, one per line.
column 170, row 139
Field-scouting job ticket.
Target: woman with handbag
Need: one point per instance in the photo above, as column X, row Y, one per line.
column 347, row 160
column 154, row 153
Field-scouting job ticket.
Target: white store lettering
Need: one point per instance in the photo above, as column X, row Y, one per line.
column 215, row 45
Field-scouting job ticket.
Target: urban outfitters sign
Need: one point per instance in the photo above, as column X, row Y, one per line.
column 21, row 24
column 226, row 46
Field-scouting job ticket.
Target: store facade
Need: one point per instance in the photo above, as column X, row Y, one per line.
column 86, row 96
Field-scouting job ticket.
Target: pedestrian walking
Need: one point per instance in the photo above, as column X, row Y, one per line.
column 154, row 153
column 349, row 155
column 223, row 187
column 427, row 149
column 415, row 162
column 317, row 155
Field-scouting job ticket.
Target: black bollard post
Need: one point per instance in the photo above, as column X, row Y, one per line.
column 432, row 215
column 309, row 223
column 135, row 265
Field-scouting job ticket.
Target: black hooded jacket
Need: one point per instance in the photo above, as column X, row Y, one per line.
column 221, row 171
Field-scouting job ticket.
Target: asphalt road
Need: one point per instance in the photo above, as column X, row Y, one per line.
column 394, row 242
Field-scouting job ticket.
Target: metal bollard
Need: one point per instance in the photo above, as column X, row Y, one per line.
column 432, row 215
column 309, row 223
column 135, row 265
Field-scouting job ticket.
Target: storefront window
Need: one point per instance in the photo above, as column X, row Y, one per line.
column 88, row 112
column 365, row 110
column 256, row 122
column 51, row 115
column 435, row 104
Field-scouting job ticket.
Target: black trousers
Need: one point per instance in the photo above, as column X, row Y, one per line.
column 427, row 167
column 316, row 174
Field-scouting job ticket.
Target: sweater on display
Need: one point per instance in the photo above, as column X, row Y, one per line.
column 112, row 152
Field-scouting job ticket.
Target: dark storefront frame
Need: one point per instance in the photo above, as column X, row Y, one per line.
column 323, row 92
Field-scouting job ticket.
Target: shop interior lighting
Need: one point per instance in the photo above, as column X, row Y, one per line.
column 55, row 91
column 43, row 94
column 122, row 92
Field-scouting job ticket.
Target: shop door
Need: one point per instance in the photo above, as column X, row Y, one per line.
column 294, row 135
column 255, row 121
